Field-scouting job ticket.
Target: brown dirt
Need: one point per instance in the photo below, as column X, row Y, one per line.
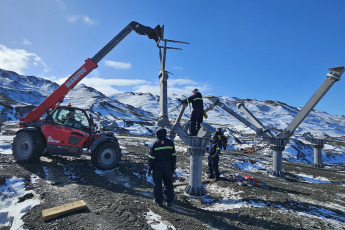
column 121, row 198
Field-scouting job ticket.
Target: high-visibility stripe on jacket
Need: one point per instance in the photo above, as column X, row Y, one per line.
column 196, row 100
column 165, row 147
column 152, row 157
column 214, row 148
column 163, row 154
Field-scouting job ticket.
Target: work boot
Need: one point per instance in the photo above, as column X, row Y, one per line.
column 160, row 204
column 169, row 204
column 210, row 176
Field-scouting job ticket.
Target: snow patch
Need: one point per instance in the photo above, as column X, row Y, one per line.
column 155, row 221
column 15, row 201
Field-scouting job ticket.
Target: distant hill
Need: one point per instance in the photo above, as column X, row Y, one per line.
column 20, row 94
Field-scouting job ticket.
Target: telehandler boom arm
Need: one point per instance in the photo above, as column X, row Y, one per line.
column 90, row 64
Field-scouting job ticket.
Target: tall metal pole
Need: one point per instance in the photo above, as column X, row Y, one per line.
column 163, row 99
column 163, row 120
column 196, row 145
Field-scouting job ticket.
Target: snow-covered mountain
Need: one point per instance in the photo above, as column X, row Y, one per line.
column 20, row 94
column 273, row 114
column 18, row 91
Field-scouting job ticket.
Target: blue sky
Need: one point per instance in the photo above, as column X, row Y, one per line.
column 259, row 49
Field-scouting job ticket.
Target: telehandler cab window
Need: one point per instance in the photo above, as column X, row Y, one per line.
column 74, row 118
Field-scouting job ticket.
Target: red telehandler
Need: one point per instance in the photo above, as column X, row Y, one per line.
column 67, row 130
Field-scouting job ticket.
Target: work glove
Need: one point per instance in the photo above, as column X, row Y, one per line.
column 184, row 102
column 180, row 100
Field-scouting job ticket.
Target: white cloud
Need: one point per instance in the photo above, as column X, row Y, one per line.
column 155, row 90
column 26, row 42
column 111, row 86
column 118, row 65
column 18, row 60
column 108, row 86
column 181, row 81
column 75, row 18
column 60, row 3
column 175, row 86
column 88, row 20
column 72, row 18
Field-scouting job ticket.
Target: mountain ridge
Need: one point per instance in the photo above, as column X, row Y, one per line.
column 19, row 94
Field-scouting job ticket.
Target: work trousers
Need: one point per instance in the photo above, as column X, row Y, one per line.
column 164, row 174
column 195, row 121
column 213, row 166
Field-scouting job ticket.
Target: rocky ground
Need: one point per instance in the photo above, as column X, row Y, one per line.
column 122, row 198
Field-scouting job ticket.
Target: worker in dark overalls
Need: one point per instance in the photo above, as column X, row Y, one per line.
column 221, row 138
column 213, row 159
column 162, row 165
column 197, row 113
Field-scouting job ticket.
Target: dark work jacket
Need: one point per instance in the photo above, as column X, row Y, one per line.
column 222, row 141
column 162, row 155
column 214, row 149
column 196, row 100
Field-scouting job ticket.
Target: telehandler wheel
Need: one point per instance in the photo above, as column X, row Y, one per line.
column 25, row 147
column 106, row 156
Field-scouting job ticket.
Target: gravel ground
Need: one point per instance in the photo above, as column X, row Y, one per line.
column 121, row 198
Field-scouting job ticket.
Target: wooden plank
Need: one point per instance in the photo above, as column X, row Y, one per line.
column 63, row 209
column 187, row 182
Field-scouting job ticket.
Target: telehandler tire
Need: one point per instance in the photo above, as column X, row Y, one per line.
column 106, row 156
column 25, row 147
